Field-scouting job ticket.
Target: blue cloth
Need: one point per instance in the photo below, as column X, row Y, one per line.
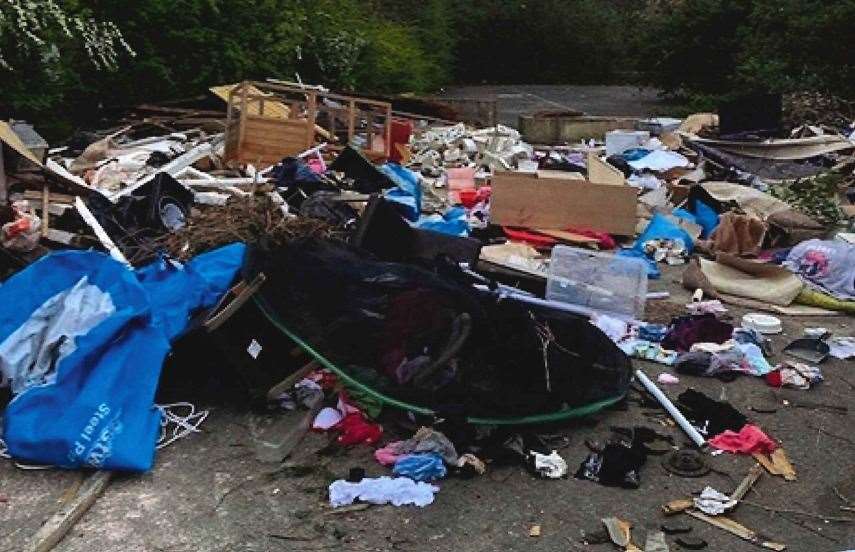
column 420, row 467
column 108, row 335
column 453, row 222
column 407, row 193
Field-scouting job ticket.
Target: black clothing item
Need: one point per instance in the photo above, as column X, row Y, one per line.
column 714, row 416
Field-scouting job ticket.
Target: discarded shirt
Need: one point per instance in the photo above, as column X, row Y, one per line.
column 711, row 417
column 795, row 374
column 398, row 491
column 420, row 467
column 356, row 429
column 749, row 440
column 829, row 265
column 688, row 330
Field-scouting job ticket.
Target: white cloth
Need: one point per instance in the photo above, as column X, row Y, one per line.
column 713, row 502
column 659, row 161
column 397, row 491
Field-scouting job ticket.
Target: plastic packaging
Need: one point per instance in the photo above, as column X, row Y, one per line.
column 600, row 281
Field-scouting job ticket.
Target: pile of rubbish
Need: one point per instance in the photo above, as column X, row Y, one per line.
column 420, row 266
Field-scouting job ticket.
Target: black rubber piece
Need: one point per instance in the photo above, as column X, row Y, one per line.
column 692, row 543
column 675, row 529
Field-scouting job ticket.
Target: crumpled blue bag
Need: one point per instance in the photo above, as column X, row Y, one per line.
column 662, row 228
column 420, row 467
column 86, row 341
column 407, row 193
column 452, row 222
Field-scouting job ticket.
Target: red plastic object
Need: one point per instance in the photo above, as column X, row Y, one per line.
column 400, row 134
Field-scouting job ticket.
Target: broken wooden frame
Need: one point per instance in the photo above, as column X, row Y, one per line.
column 266, row 122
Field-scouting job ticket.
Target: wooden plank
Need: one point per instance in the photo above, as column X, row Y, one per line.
column 600, row 172
column 45, row 210
column 54, row 529
column 569, row 237
column 737, row 529
column 678, row 506
column 531, row 202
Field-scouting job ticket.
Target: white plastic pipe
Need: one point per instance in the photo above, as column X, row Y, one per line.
column 666, row 403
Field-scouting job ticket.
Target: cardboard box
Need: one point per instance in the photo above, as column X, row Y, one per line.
column 529, row 201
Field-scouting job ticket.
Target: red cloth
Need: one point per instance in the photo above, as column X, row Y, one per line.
column 531, row 238
column 774, row 378
column 605, row 241
column 356, row 429
column 749, row 440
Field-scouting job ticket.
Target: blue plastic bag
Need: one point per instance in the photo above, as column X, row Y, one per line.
column 662, row 228
column 84, row 347
column 407, row 194
column 706, row 217
column 452, row 222
column 653, row 272
column 420, row 467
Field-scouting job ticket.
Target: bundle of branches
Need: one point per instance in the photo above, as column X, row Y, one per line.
column 815, row 108
column 255, row 219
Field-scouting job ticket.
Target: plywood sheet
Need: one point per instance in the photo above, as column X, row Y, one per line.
column 272, row 108
column 532, row 202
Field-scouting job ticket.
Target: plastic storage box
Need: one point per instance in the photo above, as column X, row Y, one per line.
column 600, row 281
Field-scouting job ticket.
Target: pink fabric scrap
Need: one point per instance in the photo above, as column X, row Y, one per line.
column 749, row 440
column 667, row 379
column 389, row 454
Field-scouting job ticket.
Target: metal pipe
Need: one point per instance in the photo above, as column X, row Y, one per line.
column 666, row 403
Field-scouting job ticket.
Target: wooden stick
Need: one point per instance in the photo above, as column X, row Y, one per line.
column 745, row 485
column 289, row 381
column 737, row 529
column 54, row 529
column 45, row 210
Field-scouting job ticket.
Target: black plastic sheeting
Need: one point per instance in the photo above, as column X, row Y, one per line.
column 427, row 337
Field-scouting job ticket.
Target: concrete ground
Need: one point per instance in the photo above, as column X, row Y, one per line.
column 209, row 493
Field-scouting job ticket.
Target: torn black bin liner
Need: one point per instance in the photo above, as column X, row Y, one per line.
column 383, row 232
column 399, row 319
column 296, row 181
column 158, row 207
column 367, row 178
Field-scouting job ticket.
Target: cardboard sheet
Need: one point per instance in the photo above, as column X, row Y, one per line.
column 532, row 202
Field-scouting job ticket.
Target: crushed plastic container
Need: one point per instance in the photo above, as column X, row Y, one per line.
column 600, row 281
column 618, row 141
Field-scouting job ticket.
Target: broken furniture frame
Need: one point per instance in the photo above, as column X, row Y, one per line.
column 266, row 122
